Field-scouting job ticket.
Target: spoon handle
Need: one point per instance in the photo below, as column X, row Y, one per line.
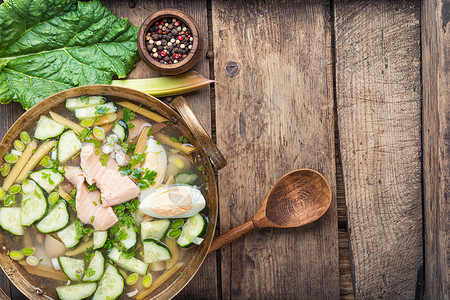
column 231, row 235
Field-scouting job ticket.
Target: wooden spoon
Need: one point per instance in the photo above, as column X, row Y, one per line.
column 298, row 198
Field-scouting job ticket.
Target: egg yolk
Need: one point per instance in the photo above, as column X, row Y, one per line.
column 172, row 203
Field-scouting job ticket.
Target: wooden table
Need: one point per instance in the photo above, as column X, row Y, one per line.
column 357, row 90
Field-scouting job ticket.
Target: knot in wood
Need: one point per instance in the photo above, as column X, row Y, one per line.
column 232, row 68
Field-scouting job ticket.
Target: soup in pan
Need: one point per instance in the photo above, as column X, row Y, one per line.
column 102, row 198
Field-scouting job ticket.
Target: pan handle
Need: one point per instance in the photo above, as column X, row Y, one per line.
column 216, row 157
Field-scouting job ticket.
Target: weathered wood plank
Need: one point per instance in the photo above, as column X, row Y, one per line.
column 205, row 281
column 274, row 113
column 379, row 116
column 436, row 137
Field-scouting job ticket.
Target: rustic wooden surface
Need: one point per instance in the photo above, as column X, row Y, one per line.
column 436, row 137
column 266, row 128
column 336, row 86
column 379, row 107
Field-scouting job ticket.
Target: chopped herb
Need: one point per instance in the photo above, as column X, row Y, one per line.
column 50, row 180
column 200, row 168
column 150, row 131
column 158, row 143
column 195, row 158
column 96, row 119
column 173, row 139
column 169, row 123
column 73, row 192
column 84, row 99
column 132, row 205
column 87, row 256
column 89, row 272
column 127, row 255
column 131, row 126
column 137, row 158
column 128, row 115
column 122, row 235
column 92, row 188
column 97, row 152
column 108, row 244
column 183, row 139
column 181, row 273
column 139, row 106
column 152, row 108
column 95, row 203
column 124, row 145
column 104, row 159
column 92, row 219
column 93, row 141
column 136, row 173
column 131, row 147
column 72, row 203
column 84, row 134
column 41, row 260
column 101, row 110
column 36, row 193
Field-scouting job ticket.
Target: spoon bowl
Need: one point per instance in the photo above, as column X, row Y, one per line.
column 298, row 198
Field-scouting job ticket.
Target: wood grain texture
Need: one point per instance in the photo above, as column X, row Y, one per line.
column 205, row 282
column 436, row 138
column 274, row 113
column 379, row 116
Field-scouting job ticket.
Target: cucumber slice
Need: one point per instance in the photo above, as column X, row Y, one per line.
column 34, row 205
column 95, row 268
column 121, row 130
column 47, row 128
column 57, row 219
column 195, row 227
column 130, row 264
column 72, row 267
column 130, row 241
column 68, row 146
column 186, row 178
column 10, row 220
column 154, row 229
column 83, row 101
column 69, row 235
column 99, row 239
column 76, row 291
column 95, row 111
column 110, row 286
column 47, row 179
column 155, row 251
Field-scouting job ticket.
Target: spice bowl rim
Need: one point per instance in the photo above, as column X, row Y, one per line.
column 181, row 66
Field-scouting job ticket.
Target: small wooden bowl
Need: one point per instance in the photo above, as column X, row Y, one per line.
column 179, row 67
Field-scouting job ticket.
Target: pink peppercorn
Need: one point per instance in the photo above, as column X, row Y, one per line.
column 163, row 53
column 180, row 38
column 176, row 23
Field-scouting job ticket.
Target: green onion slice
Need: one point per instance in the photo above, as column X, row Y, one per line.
column 27, row 251
column 15, row 189
column 53, row 198
column 173, row 233
column 25, row 137
column 32, row 261
column 19, row 145
column 132, row 279
column 16, row 255
column 98, row 132
column 147, row 280
column 87, row 122
column 5, row 169
column 177, row 223
column 10, row 158
column 10, row 200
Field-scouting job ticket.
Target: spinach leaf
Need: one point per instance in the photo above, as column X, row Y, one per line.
column 47, row 46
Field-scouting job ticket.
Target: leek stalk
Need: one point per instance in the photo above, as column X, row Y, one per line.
column 166, row 86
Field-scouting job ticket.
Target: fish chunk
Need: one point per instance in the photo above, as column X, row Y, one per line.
column 115, row 188
column 88, row 207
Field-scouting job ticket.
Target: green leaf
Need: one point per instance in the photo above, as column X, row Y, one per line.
column 47, row 46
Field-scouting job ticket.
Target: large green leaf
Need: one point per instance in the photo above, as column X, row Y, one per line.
column 47, row 46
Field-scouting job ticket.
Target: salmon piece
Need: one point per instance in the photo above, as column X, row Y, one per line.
column 88, row 207
column 115, row 188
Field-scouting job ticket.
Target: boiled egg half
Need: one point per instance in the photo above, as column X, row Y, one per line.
column 173, row 201
column 155, row 160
